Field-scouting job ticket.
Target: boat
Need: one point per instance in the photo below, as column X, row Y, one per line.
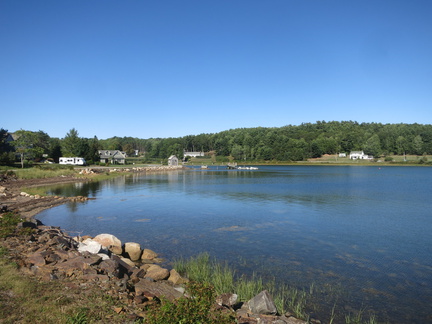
column 247, row 168
column 232, row 166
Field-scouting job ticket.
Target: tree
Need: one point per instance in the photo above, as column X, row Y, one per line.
column 6, row 156
column 24, row 145
column 128, row 148
column 71, row 143
column 4, row 145
column 373, row 146
column 94, row 149
column 55, row 149
column 401, row 145
column 417, row 145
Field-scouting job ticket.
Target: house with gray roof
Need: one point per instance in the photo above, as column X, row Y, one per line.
column 112, row 156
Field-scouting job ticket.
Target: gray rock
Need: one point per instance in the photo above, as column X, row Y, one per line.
column 262, row 304
column 227, row 299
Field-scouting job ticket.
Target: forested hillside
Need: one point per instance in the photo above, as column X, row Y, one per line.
column 292, row 143
column 288, row 143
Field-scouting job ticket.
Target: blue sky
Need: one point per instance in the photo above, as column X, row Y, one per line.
column 174, row 68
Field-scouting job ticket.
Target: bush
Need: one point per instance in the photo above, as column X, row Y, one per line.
column 388, row 159
column 7, row 158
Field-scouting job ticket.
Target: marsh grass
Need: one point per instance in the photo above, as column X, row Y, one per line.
column 296, row 301
column 204, row 269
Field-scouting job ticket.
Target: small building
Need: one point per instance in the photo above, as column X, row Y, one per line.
column 342, row 155
column 173, row 160
column 112, row 156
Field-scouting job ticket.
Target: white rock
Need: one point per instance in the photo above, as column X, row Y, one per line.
column 89, row 245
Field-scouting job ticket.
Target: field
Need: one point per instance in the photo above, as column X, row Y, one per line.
column 391, row 159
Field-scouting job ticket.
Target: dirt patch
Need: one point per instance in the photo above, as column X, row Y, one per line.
column 29, row 206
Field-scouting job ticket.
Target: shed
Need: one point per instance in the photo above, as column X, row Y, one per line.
column 173, row 160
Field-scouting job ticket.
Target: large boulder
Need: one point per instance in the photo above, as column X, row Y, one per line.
column 262, row 304
column 132, row 251
column 148, row 255
column 156, row 289
column 156, row 272
column 90, row 246
column 175, row 278
column 110, row 242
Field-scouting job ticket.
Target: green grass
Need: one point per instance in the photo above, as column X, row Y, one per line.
column 24, row 299
column 40, row 173
column 197, row 309
column 222, row 277
column 8, row 223
column 287, row 299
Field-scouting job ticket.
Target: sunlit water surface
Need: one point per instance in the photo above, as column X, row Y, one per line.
column 359, row 235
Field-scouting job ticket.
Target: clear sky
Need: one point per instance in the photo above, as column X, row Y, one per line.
column 172, row 68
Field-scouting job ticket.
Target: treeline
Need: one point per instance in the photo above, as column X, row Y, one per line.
column 288, row 143
column 292, row 143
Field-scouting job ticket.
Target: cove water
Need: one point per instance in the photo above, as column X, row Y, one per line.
column 360, row 236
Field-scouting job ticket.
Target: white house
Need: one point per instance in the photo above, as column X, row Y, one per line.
column 173, row 160
column 355, row 155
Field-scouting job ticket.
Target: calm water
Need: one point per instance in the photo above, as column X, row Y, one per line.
column 360, row 235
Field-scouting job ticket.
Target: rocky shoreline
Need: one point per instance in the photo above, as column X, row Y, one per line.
column 126, row 271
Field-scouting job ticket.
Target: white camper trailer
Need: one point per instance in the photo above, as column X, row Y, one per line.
column 72, row 160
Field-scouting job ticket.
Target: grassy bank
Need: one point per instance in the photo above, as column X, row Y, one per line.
column 23, row 299
column 40, row 171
